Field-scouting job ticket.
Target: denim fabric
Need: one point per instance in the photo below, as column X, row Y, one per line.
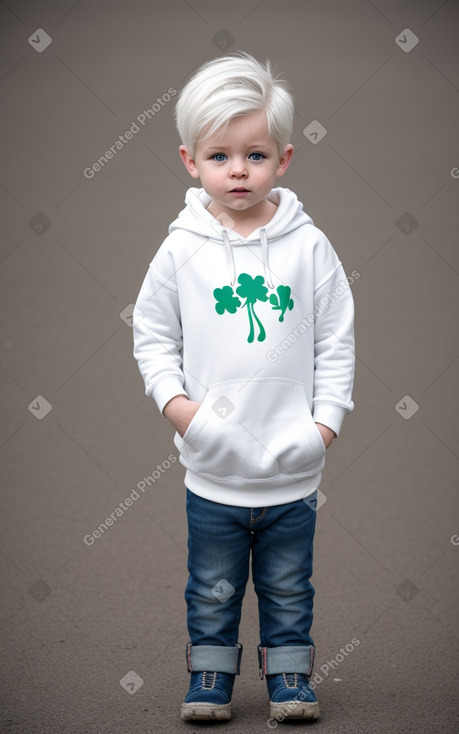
column 225, row 659
column 220, row 541
column 285, row 659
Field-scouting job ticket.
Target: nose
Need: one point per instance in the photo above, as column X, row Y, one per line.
column 238, row 169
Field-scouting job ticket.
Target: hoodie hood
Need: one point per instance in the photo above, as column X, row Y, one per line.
column 197, row 219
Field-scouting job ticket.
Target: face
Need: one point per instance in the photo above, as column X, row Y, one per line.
column 238, row 167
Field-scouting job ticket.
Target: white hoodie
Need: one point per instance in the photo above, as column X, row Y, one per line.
column 258, row 329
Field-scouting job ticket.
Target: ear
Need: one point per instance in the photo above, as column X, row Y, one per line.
column 188, row 162
column 285, row 159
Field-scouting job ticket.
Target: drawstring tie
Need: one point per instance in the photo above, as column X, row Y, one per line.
column 264, row 254
column 229, row 257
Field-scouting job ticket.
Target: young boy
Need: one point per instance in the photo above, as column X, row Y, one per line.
column 243, row 332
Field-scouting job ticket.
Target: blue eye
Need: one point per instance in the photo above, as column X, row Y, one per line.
column 219, row 157
column 256, row 156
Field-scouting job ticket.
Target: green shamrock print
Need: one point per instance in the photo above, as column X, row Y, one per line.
column 254, row 291
column 226, row 300
column 282, row 302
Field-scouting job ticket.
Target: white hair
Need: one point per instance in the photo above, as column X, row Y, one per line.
column 231, row 86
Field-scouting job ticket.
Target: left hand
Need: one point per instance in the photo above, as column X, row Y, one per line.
column 327, row 434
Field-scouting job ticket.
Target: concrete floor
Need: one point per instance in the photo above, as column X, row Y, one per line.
column 93, row 635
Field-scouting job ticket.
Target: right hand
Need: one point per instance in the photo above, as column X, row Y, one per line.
column 180, row 411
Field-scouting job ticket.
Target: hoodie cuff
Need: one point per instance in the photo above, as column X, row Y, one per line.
column 330, row 415
column 165, row 390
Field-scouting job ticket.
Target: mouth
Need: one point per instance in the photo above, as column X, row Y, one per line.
column 239, row 190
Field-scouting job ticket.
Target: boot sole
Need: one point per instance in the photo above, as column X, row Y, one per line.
column 206, row 712
column 293, row 710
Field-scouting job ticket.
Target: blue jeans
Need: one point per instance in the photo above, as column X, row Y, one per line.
column 220, row 539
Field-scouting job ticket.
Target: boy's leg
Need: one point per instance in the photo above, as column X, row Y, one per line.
column 282, row 557
column 218, row 564
column 282, row 568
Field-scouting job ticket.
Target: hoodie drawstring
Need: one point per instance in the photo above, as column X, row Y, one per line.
column 264, row 253
column 229, row 257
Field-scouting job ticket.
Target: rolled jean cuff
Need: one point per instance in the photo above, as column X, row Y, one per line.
column 288, row 659
column 214, row 658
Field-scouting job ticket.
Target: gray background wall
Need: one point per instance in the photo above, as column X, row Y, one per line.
column 383, row 184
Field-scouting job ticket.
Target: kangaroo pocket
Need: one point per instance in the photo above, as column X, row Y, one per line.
column 253, row 430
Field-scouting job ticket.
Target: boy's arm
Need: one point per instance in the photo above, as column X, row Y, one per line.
column 158, row 334
column 158, row 343
column 333, row 350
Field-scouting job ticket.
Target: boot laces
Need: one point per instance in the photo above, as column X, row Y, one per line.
column 290, row 680
column 208, row 680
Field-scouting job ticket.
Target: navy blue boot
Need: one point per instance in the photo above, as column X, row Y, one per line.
column 291, row 697
column 209, row 696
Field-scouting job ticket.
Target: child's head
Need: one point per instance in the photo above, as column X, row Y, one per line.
column 229, row 87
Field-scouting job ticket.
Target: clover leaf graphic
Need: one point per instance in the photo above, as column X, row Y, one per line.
column 253, row 290
column 226, row 300
column 282, row 302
